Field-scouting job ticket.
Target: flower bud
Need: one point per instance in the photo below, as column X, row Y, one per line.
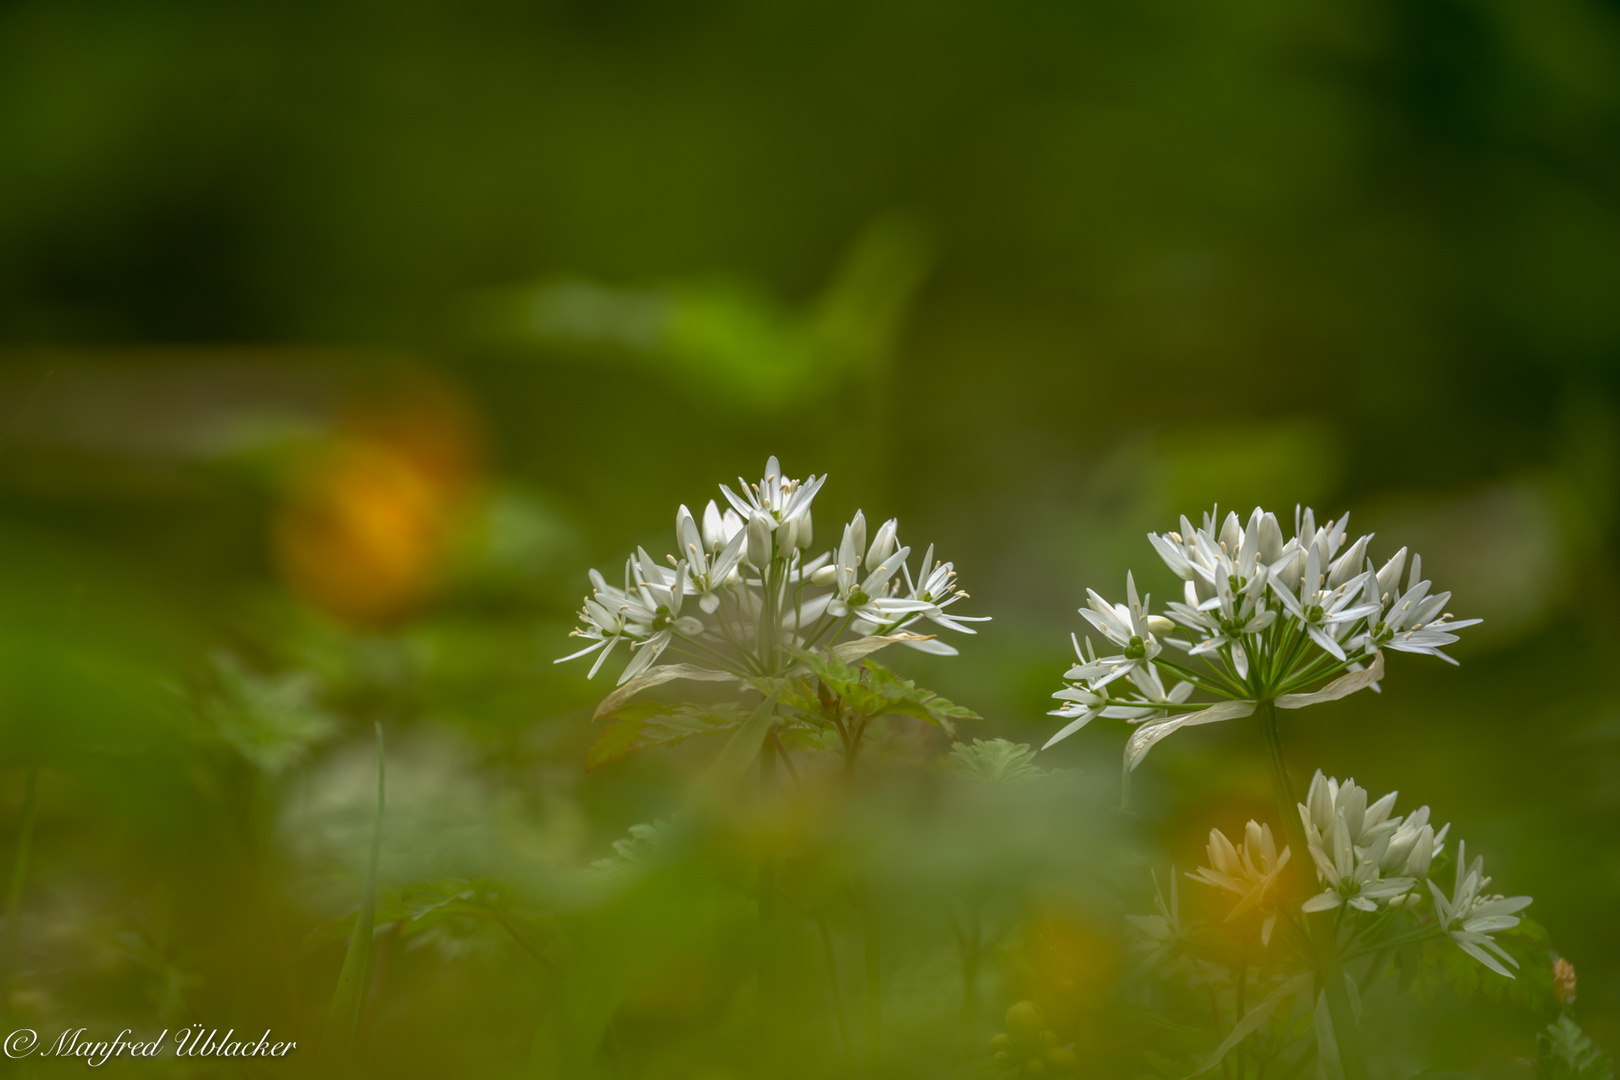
column 1389, row 577
column 1564, row 981
column 759, row 541
column 714, row 528
column 884, row 544
column 1271, row 539
column 787, row 536
column 1348, row 565
column 806, row 531
column 689, row 626
column 1223, row 857
column 825, row 575
column 855, row 536
column 1158, row 624
column 1417, row 863
column 687, row 536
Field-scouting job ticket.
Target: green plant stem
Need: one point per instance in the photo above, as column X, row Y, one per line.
column 839, row 1009
column 767, row 909
column 971, row 950
column 19, row 875
column 343, row 1023
column 1242, row 992
column 874, row 987
column 1421, row 934
column 1324, row 941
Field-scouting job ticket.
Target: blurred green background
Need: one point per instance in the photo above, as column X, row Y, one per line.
column 340, row 339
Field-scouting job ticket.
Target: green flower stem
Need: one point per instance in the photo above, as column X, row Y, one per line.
column 874, row 986
column 343, row 1022
column 839, row 1009
column 1421, row 934
column 19, row 875
column 767, row 910
column 1324, row 942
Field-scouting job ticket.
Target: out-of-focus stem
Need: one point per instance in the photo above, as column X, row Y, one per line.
column 971, row 950
column 767, row 909
column 338, row 1040
column 1324, row 941
column 839, row 1010
column 874, row 987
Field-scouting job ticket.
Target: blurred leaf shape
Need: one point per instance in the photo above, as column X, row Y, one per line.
column 1565, row 1052
column 273, row 721
column 998, row 761
column 509, row 539
column 638, row 849
column 726, row 339
column 650, row 723
column 858, row 693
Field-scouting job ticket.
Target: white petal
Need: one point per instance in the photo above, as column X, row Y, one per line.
column 1343, row 686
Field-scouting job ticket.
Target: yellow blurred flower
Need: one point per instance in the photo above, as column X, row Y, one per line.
column 365, row 520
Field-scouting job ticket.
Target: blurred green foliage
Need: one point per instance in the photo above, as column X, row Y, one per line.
column 1035, row 278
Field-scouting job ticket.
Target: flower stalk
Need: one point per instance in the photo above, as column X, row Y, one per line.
column 767, row 909
column 1322, row 925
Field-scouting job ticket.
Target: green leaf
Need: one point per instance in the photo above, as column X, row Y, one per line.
column 638, row 849
column 1565, row 1052
column 867, row 690
column 741, row 749
column 996, row 762
column 646, row 723
column 907, row 698
column 271, row 720
column 1299, row 984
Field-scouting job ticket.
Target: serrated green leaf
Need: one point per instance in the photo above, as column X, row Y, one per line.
column 866, row 689
column 1565, row 1052
column 616, row 740
column 272, row 721
column 997, row 761
column 637, row 849
column 647, row 724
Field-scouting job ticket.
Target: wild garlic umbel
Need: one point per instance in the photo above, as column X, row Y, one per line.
column 758, row 597
column 743, row 601
column 1269, row 622
column 1373, row 877
column 1294, row 622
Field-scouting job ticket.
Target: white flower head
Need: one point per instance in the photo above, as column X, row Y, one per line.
column 1295, row 621
column 1350, row 842
column 758, row 597
column 1470, row 917
column 1247, row 871
column 707, row 569
column 1414, row 621
column 779, row 500
column 1163, row 933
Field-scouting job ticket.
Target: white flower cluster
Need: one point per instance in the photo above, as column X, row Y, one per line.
column 1366, row 857
column 1267, row 617
column 758, row 593
column 1247, row 871
column 1363, row 855
column 1470, row 916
